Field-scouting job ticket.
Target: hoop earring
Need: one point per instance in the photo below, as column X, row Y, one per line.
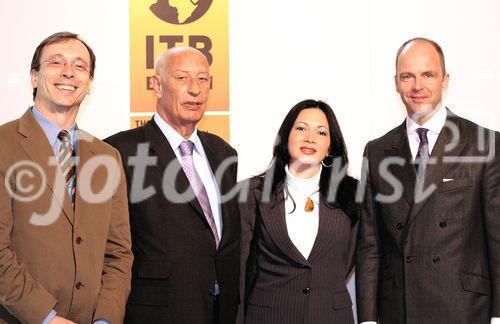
column 323, row 163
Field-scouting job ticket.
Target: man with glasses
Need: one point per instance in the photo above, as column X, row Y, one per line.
column 65, row 249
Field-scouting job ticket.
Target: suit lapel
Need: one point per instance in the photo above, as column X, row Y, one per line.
column 327, row 224
column 273, row 218
column 224, row 184
column 166, row 156
column 85, row 152
column 212, row 156
column 405, row 173
column 446, row 145
column 40, row 152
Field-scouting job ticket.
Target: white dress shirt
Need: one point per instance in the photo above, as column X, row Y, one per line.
column 201, row 165
column 302, row 226
column 435, row 124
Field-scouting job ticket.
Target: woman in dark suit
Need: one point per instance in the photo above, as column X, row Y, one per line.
column 299, row 225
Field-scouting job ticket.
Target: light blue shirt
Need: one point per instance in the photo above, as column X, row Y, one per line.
column 52, row 130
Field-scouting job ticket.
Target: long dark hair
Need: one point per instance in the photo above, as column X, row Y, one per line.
column 346, row 192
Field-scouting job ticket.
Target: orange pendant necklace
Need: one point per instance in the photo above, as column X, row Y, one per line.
column 309, row 207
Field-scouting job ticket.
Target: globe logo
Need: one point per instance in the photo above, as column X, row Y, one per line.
column 180, row 12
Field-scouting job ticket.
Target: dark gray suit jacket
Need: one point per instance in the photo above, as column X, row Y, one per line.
column 436, row 260
column 176, row 262
column 281, row 286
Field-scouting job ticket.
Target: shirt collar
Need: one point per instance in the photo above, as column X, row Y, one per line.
column 174, row 138
column 434, row 124
column 51, row 129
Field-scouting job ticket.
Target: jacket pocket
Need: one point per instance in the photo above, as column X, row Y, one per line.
column 456, row 184
column 475, row 283
column 151, row 284
column 342, row 300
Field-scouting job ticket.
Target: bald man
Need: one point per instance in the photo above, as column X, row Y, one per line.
column 185, row 232
column 428, row 248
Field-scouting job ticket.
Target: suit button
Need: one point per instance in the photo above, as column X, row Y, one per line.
column 79, row 240
column 215, row 290
column 436, row 259
column 306, row 290
column 443, row 224
column 78, row 285
column 409, row 259
column 399, row 226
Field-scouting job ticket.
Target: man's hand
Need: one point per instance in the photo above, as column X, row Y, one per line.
column 60, row 320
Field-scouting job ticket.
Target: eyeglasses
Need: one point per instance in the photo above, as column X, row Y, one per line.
column 58, row 62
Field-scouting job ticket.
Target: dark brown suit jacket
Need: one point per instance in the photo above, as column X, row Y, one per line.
column 77, row 262
column 436, row 260
column 280, row 285
column 176, row 262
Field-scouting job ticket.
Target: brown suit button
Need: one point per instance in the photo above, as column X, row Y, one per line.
column 78, row 285
column 436, row 259
column 79, row 240
column 409, row 259
column 399, row 226
column 306, row 290
column 443, row 224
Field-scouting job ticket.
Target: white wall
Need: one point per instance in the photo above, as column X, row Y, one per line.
column 344, row 52
column 103, row 24
column 280, row 53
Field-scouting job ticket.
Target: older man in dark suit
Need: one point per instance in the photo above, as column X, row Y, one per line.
column 429, row 248
column 185, row 232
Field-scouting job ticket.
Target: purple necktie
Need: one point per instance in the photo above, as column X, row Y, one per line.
column 186, row 148
column 423, row 149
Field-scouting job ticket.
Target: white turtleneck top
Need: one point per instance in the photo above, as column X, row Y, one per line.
column 302, row 226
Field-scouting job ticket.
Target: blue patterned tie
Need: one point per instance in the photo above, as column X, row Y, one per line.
column 186, row 148
column 423, row 149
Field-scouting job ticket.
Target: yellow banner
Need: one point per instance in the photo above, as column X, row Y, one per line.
column 156, row 25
